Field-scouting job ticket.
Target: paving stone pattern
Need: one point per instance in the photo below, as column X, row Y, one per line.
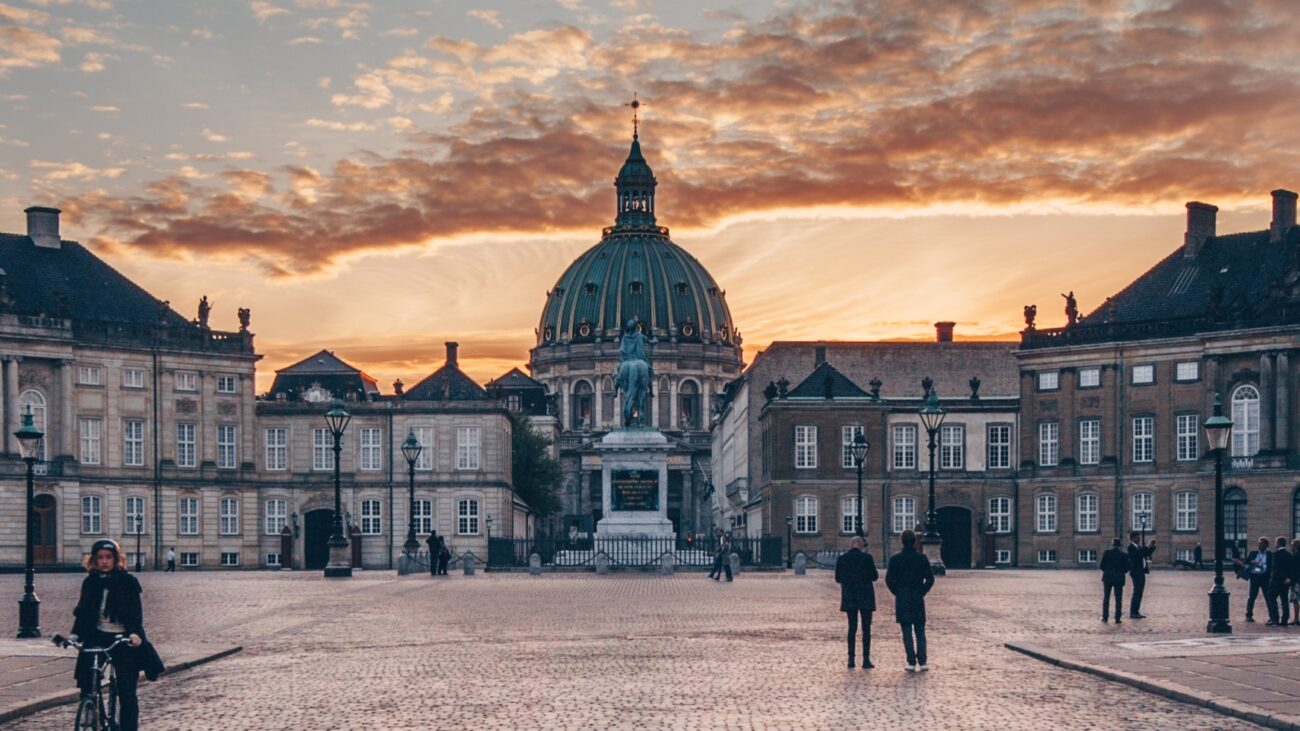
column 629, row 651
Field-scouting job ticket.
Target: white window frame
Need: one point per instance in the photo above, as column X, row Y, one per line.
column 469, row 443
column 1087, row 512
column 230, row 558
column 999, row 446
column 322, row 449
column 805, row 447
column 904, row 447
column 229, row 516
column 92, row 515
column 426, row 435
column 1002, row 556
column 1047, row 555
column 1245, row 420
column 90, row 375
column 133, row 509
column 189, row 559
column 187, row 380
column 1086, row 555
column 952, row 447
column 805, row 514
column 903, row 514
column 1000, row 514
column 1187, row 447
column 132, row 378
column 1045, row 513
column 1144, row 375
column 132, row 443
column 1142, row 502
column 1144, row 439
column 227, row 446
column 186, row 451
column 423, row 517
column 1049, row 380
column 847, row 434
column 187, row 516
column 1090, row 377
column 849, row 515
column 275, row 440
column 273, row 560
column 91, row 430
column 1187, row 371
column 1089, row 441
column 467, row 517
column 1186, row 504
column 227, row 384
column 276, row 516
column 1049, row 443
column 370, row 446
column 372, row 520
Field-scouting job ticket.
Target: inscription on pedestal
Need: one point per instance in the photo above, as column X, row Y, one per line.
column 634, row 489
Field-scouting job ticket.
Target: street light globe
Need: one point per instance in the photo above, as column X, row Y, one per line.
column 932, row 414
column 411, row 448
column 29, row 437
column 337, row 417
column 859, row 448
column 1218, row 428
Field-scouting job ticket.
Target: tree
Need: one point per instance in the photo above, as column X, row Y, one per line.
column 537, row 475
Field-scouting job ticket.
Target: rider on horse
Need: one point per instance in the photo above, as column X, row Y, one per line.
column 635, row 375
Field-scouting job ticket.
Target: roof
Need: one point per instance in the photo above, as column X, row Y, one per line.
column 72, row 282
column 514, row 378
column 326, row 371
column 827, row 382
column 448, row 383
column 322, row 363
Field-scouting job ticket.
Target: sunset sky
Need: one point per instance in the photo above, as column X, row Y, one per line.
column 377, row 178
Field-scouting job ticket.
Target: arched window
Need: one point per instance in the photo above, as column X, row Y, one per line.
column 467, row 517
column 805, row 515
column 36, row 402
column 1185, row 505
column 688, row 405
column 1045, row 513
column 849, row 522
column 1245, row 421
column 582, row 403
column 1143, row 516
column 1086, row 516
column 1234, row 521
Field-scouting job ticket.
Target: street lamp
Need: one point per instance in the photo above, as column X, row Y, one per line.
column 29, row 607
column 1218, row 430
column 859, row 449
column 789, row 549
column 411, row 449
column 340, row 563
column 932, row 416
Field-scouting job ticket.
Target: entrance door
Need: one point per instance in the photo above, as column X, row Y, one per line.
column 315, row 548
column 1234, row 523
column 45, row 528
column 954, row 526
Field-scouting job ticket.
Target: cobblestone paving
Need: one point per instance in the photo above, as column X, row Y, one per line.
column 578, row 651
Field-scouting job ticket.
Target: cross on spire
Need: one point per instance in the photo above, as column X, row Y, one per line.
column 635, row 104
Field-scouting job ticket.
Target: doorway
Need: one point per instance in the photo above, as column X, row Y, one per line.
column 45, row 528
column 316, row 536
column 954, row 526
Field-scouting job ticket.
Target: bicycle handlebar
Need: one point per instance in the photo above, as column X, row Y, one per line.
column 61, row 641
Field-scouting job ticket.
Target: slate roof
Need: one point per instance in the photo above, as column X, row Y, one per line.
column 329, row 372
column 41, row 280
column 322, row 363
column 827, row 382
column 514, row 378
column 448, row 383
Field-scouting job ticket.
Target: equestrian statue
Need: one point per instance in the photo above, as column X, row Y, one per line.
column 634, row 375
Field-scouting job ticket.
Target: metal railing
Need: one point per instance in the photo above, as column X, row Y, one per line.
column 629, row 552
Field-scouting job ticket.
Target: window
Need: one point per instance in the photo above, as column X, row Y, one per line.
column 188, row 521
column 1144, row 374
column 226, row 446
column 133, row 443
column 805, row 515
column 1185, row 555
column 514, row 403
column 371, row 460
column 226, row 384
column 133, row 378
column 952, row 447
column 1143, row 517
column 277, row 448
column 1090, row 441
column 91, row 431
column 1188, row 428
column 322, row 449
column 904, row 514
column 1047, row 555
column 276, row 510
column 1045, row 514
column 185, row 445
column 425, row 461
column 467, row 517
column 688, row 405
column 582, row 404
column 1185, row 511
column 1086, row 520
column 187, row 381
column 424, row 517
column 999, row 439
column 905, row 446
column 1000, row 514
column 1089, row 377
column 371, row 523
column 1049, row 433
column 273, row 559
column 229, row 558
column 1049, row 380
column 34, row 401
column 1144, row 438
column 847, row 435
column 189, row 560
column 468, row 439
column 1245, row 421
column 92, row 518
column 229, row 516
column 134, row 559
column 1002, row 556
column 1187, row 371
column 805, row 447
column 134, row 515
column 1087, row 555
column 90, row 375
column 849, row 522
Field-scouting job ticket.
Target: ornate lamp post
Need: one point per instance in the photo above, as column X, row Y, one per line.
column 932, row 416
column 340, row 563
column 859, row 449
column 1218, row 430
column 29, row 607
column 411, row 449
column 789, row 549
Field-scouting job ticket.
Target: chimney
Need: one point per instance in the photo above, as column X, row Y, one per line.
column 943, row 331
column 1283, row 214
column 43, row 226
column 1200, row 226
column 451, row 354
column 819, row 355
column 398, row 388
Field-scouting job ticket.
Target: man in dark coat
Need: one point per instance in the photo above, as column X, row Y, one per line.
column 855, row 572
column 1279, row 584
column 909, row 578
column 433, row 542
column 1197, row 555
column 1137, row 570
column 1256, row 568
column 1114, row 565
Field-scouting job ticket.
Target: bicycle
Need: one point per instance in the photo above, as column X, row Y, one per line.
column 93, row 714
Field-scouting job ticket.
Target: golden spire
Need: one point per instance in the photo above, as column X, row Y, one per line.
column 635, row 104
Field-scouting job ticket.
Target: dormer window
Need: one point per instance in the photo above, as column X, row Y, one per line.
column 681, row 288
column 591, row 288
column 634, row 288
column 713, row 291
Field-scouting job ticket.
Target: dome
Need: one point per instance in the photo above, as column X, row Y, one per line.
column 636, row 273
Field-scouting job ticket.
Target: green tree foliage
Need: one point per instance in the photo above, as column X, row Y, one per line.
column 536, row 474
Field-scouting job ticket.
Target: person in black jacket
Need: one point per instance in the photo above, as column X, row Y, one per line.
column 1279, row 584
column 909, row 578
column 433, row 541
column 1114, row 565
column 855, row 572
column 110, row 605
column 1295, row 581
column 1256, row 568
column 1138, row 556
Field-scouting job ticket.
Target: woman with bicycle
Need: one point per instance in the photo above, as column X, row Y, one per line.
column 110, row 606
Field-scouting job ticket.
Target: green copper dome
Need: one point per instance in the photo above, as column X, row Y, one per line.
column 636, row 273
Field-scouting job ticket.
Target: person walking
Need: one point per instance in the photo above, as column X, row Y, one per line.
column 433, row 541
column 1197, row 555
column 855, row 572
column 1295, row 581
column 1114, row 565
column 721, row 556
column 171, row 559
column 1279, row 584
column 1256, row 570
column 909, row 578
column 1138, row 558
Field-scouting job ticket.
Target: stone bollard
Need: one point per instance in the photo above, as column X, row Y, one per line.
column 735, row 564
column 800, row 565
column 468, row 562
column 602, row 564
column 666, row 564
column 535, row 565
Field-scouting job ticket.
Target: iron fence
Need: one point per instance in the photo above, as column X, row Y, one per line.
column 629, row 552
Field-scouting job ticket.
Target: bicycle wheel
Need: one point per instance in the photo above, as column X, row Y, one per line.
column 88, row 715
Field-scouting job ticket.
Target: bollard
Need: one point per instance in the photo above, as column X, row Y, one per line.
column 602, row 564
column 800, row 565
column 535, row 565
column 735, row 564
column 666, row 564
column 468, row 562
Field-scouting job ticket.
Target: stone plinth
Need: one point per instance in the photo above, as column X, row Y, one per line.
column 634, row 485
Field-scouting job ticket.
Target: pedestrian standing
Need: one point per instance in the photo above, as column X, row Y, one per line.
column 855, row 572
column 1295, row 581
column 1280, row 583
column 1256, row 569
column 909, row 578
column 1114, row 565
column 1139, row 558
column 171, row 559
column 433, row 542
column 1196, row 557
column 444, row 556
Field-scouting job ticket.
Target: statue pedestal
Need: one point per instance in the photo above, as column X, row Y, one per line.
column 634, row 485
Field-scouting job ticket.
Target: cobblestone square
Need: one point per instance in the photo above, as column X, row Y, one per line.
column 633, row 651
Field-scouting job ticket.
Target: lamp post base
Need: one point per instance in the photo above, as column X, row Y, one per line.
column 340, row 564
column 931, row 546
column 29, row 617
column 411, row 547
column 1219, row 624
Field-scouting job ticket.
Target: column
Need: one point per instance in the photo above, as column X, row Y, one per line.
column 597, row 409
column 706, row 405
column 564, row 406
column 672, row 405
column 1266, row 383
column 67, row 430
column 1212, row 387
column 1282, row 412
column 654, row 408
column 10, row 403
